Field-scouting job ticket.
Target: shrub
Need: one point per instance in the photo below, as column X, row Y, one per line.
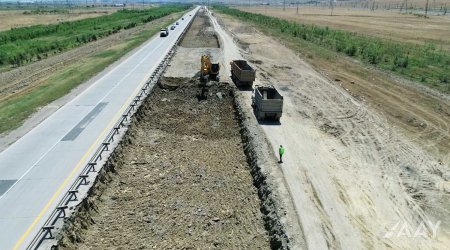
column 350, row 50
column 445, row 79
column 401, row 62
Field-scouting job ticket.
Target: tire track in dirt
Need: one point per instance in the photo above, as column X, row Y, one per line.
column 373, row 167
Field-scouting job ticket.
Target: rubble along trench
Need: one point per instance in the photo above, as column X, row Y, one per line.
column 179, row 179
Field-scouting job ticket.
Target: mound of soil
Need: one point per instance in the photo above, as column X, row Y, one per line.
column 182, row 180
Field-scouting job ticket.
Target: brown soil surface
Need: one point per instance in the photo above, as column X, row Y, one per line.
column 386, row 24
column 200, row 34
column 423, row 116
column 181, row 180
column 352, row 170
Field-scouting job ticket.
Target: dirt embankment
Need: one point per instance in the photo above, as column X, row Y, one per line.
column 180, row 179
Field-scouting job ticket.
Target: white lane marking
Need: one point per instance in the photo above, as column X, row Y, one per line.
column 137, row 53
column 106, row 95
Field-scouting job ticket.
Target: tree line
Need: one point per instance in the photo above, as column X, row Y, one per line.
column 19, row 46
column 423, row 63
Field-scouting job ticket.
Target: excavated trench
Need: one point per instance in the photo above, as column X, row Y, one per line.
column 184, row 176
column 186, row 173
column 201, row 33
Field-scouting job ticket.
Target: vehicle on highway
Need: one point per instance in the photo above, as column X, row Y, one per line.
column 164, row 32
column 267, row 102
column 242, row 73
column 172, row 27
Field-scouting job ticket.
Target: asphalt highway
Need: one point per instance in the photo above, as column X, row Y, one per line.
column 37, row 170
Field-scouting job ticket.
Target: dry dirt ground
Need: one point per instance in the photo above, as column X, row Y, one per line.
column 180, row 178
column 200, row 40
column 422, row 114
column 267, row 176
column 17, row 18
column 357, row 182
column 201, row 34
column 380, row 23
column 181, row 181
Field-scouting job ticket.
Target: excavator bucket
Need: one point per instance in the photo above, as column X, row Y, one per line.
column 215, row 67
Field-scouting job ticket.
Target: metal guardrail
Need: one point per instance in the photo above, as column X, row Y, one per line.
column 70, row 196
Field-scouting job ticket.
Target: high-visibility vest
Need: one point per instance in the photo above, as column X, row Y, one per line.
column 281, row 151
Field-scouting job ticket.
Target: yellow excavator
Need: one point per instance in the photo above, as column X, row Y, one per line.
column 208, row 70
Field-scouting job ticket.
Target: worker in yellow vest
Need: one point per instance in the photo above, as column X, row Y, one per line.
column 281, row 153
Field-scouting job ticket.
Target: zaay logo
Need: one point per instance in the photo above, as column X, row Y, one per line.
column 425, row 229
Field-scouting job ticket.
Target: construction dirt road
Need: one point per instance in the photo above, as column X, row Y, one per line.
column 356, row 181
column 201, row 174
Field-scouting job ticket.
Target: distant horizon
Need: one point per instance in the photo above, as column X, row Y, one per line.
column 245, row 2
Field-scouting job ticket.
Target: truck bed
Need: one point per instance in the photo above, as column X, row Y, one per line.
column 268, row 102
column 243, row 72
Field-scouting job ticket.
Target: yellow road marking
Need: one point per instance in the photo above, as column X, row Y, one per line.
column 60, row 188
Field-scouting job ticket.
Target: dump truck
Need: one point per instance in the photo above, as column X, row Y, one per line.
column 267, row 103
column 208, row 70
column 242, row 74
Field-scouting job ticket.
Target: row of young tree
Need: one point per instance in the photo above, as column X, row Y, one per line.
column 401, row 6
column 424, row 63
column 19, row 46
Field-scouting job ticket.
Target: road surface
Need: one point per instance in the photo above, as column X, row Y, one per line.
column 37, row 170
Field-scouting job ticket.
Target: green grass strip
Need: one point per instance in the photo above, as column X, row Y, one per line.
column 15, row 110
column 19, row 46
